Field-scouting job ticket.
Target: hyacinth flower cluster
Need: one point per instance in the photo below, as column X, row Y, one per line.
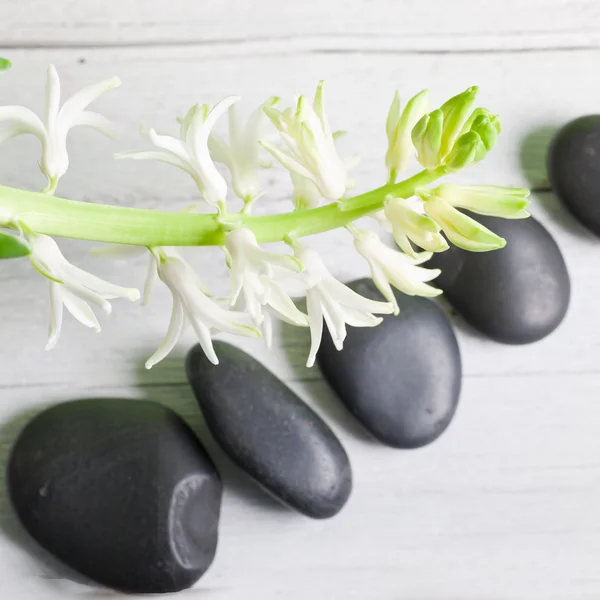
column 422, row 218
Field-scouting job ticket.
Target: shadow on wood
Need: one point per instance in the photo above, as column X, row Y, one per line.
column 533, row 156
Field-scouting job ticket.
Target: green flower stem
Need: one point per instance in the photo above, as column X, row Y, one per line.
column 102, row 223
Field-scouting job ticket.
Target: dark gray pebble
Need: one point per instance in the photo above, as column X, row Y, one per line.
column 121, row 491
column 516, row 295
column 401, row 379
column 269, row 432
column 574, row 169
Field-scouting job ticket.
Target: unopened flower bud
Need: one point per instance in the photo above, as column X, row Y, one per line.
column 427, row 139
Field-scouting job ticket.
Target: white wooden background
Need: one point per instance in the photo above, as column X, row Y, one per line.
column 506, row 505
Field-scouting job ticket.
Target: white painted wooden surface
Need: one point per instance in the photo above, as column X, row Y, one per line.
column 505, row 504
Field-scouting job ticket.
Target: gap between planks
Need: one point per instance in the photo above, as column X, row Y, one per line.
column 357, row 43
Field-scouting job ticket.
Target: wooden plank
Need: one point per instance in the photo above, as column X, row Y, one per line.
column 159, row 85
column 397, row 24
column 504, row 505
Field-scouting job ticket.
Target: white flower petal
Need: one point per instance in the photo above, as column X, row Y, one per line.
column 389, row 266
column 156, row 155
column 151, row 278
column 201, row 130
column 56, row 315
column 173, row 334
column 306, row 193
column 100, row 286
column 267, row 329
column 72, row 286
column 10, row 131
column 252, row 270
column 237, row 282
column 334, row 319
column 82, row 99
column 353, row 300
column 53, row 131
column 169, row 144
column 393, row 117
column 204, row 337
column 191, row 153
column 219, row 150
column 383, row 285
column 184, row 122
column 52, row 97
column 331, row 300
column 235, row 127
column 95, row 121
column 319, row 108
column 280, row 302
column 241, row 153
column 310, row 141
column 80, row 309
column 25, row 118
column 253, row 129
column 286, row 160
column 315, row 315
column 201, row 310
column 285, row 261
column 88, row 295
column 357, row 318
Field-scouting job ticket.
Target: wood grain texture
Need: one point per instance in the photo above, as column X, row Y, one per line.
column 503, row 506
column 409, row 25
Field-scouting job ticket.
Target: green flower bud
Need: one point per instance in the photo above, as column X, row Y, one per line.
column 488, row 128
column 491, row 200
column 456, row 112
column 468, row 150
column 427, row 139
column 5, row 64
column 409, row 225
column 478, row 112
column 461, row 230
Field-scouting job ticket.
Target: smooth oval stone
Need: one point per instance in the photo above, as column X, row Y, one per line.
column 121, row 491
column 401, row 379
column 516, row 295
column 269, row 432
column 574, row 169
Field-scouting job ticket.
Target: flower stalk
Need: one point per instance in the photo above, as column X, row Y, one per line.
column 421, row 219
column 143, row 227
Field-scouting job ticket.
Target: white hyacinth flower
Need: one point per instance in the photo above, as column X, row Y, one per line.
column 389, row 266
column 409, row 224
column 329, row 299
column 306, row 193
column 252, row 273
column 58, row 121
column 398, row 127
column 241, row 153
column 190, row 153
column 190, row 301
column 72, row 287
column 310, row 142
